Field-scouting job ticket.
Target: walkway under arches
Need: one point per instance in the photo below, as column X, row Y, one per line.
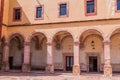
column 16, row 52
column 38, row 51
column 63, row 45
column 91, row 51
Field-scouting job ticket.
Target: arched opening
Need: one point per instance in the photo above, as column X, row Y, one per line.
column 91, row 51
column 63, row 51
column 16, row 52
column 115, row 51
column 38, row 52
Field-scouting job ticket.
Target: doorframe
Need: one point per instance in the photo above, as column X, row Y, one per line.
column 64, row 59
column 98, row 60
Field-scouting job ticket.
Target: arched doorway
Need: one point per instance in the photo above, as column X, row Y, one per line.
column 16, row 52
column 38, row 52
column 91, row 51
column 115, row 50
column 63, row 51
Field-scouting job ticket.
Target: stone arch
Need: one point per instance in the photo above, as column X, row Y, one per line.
column 15, row 34
column 34, row 34
column 58, row 31
column 112, row 31
column 97, row 33
column 95, row 29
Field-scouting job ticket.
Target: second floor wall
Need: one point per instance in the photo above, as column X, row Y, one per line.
column 76, row 11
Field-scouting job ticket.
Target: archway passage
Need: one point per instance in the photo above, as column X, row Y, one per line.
column 16, row 52
column 63, row 51
column 115, row 51
column 91, row 51
column 38, row 52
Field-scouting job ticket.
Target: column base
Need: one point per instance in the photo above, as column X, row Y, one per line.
column 107, row 70
column 50, row 68
column 26, row 68
column 5, row 66
column 76, row 70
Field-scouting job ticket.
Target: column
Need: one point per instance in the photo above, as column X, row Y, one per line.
column 5, row 64
column 50, row 65
column 107, row 62
column 26, row 62
column 76, row 66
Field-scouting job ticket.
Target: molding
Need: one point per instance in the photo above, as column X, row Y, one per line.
column 55, row 23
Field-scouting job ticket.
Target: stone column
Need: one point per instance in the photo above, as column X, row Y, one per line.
column 26, row 62
column 107, row 62
column 5, row 64
column 76, row 66
column 50, row 66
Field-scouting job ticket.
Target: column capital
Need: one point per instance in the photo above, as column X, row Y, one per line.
column 49, row 43
column 27, row 43
column 6, row 44
column 76, row 43
column 107, row 42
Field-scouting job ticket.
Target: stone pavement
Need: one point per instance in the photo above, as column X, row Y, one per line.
column 55, row 76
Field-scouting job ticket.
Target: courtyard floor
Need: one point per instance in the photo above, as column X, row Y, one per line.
column 56, row 76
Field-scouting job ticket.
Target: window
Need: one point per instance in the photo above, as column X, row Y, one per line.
column 63, row 9
column 118, row 4
column 90, row 7
column 17, row 14
column 39, row 11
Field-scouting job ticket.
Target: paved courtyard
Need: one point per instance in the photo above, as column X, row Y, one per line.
column 55, row 76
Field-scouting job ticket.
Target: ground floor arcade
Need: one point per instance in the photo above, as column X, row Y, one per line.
column 62, row 50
